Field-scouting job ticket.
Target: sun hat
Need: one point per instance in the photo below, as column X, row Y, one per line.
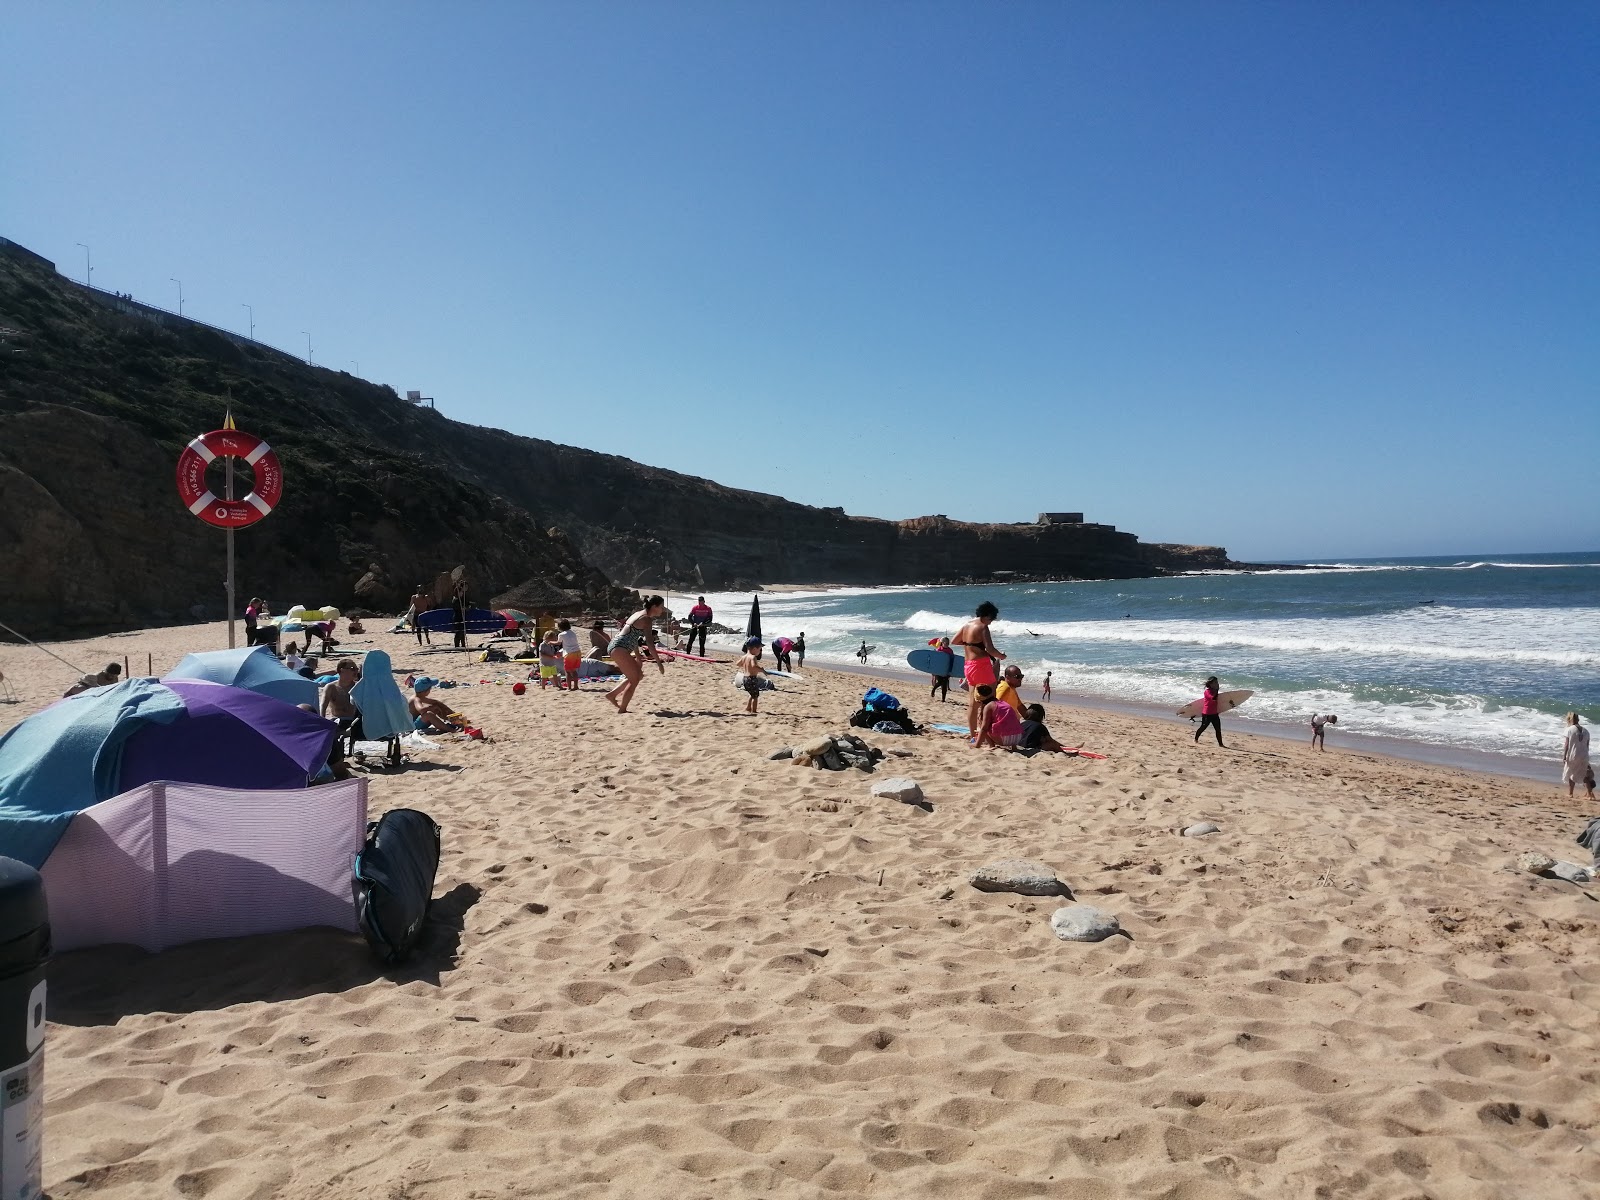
column 424, row 683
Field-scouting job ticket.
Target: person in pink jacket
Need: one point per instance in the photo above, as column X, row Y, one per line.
column 1210, row 711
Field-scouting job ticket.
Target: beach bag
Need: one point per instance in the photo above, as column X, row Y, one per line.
column 394, row 881
column 878, row 701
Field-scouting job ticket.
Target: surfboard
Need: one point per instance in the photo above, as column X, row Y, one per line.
column 935, row 662
column 479, row 620
column 788, row 675
column 664, row 653
column 738, row 683
column 1226, row 702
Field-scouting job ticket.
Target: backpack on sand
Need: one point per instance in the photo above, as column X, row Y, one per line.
column 394, row 881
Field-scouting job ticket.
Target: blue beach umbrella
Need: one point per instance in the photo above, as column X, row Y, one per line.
column 255, row 669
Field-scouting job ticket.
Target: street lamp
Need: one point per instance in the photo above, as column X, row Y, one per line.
column 356, row 363
column 179, row 282
column 308, row 348
column 88, row 270
column 252, row 312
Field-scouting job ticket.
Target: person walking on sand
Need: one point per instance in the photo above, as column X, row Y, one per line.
column 751, row 674
column 699, row 622
column 941, row 683
column 571, row 652
column 800, row 650
column 1574, row 753
column 460, row 604
column 419, row 605
column 981, row 656
column 635, row 642
column 1045, row 690
column 1317, row 724
column 1210, row 711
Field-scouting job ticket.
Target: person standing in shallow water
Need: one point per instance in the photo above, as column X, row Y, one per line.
column 1210, row 711
column 1574, row 753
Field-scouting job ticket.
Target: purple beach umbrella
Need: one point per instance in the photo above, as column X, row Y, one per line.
column 228, row 738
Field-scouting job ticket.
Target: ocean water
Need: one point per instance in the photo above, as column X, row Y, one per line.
column 1484, row 653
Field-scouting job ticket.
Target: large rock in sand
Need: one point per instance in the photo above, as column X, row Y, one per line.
column 1083, row 923
column 907, row 791
column 1535, row 863
column 1020, row 876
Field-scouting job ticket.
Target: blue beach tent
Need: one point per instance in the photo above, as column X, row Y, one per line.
column 255, row 669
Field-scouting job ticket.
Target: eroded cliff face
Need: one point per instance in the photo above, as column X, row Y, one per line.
column 381, row 494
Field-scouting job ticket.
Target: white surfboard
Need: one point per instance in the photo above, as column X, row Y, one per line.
column 1226, row 702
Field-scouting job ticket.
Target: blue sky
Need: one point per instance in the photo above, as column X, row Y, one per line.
column 1300, row 279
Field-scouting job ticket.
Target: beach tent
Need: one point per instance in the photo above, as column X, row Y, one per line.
column 383, row 708
column 108, row 740
column 752, row 627
column 256, row 669
column 168, row 863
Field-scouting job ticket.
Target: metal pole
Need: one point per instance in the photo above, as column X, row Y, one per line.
column 252, row 320
column 228, row 495
column 179, row 282
column 88, row 268
column 308, row 347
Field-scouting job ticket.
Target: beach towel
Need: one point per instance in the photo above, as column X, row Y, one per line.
column 60, row 761
column 377, row 695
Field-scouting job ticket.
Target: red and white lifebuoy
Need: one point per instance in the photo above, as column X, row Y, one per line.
column 204, row 503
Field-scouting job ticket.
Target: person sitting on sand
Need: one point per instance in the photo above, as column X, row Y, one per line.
column 550, row 660
column 981, row 656
column 292, row 659
column 1036, row 735
column 107, row 675
column 356, row 626
column 599, row 640
column 571, row 652
column 1574, row 752
column 1317, row 738
column 1008, row 689
column 635, row 642
column 998, row 722
column 427, row 714
column 751, row 673
column 337, row 704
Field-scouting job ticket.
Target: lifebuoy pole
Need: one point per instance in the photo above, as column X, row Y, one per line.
column 227, row 490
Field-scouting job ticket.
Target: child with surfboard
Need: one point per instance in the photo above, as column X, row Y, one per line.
column 981, row 656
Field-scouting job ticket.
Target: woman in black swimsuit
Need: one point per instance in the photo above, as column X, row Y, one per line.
column 635, row 643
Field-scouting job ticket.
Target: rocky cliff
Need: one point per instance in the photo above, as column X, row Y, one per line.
column 99, row 394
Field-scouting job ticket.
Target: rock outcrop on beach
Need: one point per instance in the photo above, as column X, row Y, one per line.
column 98, row 394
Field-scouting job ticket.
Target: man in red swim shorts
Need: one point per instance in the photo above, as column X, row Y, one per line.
column 974, row 639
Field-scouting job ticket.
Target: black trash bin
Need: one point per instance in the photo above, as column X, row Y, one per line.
column 24, row 950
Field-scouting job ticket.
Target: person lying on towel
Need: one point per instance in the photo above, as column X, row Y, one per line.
column 427, row 714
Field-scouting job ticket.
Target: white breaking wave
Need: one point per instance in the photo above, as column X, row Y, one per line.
column 1567, row 637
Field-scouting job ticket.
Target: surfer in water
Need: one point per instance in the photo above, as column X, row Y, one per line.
column 1210, row 711
column 862, row 653
column 978, row 670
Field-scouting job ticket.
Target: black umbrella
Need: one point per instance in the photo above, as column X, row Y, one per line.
column 753, row 625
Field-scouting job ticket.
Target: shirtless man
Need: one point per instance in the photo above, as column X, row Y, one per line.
column 419, row 605
column 978, row 670
column 336, row 702
column 427, row 714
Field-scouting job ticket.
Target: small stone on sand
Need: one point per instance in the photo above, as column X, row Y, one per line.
column 1020, row 876
column 907, row 791
column 1083, row 923
column 1200, row 829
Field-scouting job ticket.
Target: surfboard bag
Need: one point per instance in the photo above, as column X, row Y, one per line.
column 878, row 701
column 394, row 881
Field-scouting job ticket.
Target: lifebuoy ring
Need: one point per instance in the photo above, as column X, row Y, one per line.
column 204, row 503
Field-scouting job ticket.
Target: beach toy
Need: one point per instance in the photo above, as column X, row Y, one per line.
column 203, row 502
column 24, row 949
column 519, row 689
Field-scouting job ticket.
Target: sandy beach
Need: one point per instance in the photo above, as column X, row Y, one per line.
column 662, row 965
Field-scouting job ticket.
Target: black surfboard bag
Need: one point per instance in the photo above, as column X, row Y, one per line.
column 394, row 881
